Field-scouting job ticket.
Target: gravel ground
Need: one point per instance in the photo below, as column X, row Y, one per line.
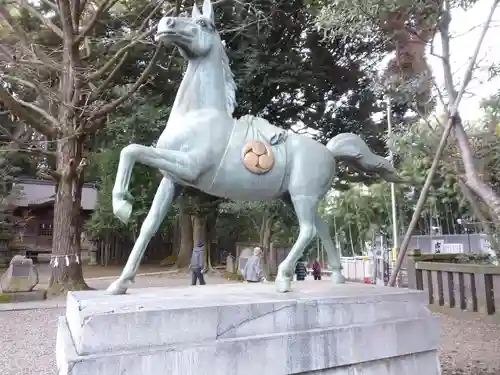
column 469, row 346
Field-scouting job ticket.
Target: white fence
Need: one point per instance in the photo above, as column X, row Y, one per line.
column 358, row 268
column 354, row 269
column 361, row 269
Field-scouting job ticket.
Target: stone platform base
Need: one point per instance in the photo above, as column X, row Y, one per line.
column 249, row 329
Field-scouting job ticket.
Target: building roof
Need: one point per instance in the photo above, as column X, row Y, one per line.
column 35, row 192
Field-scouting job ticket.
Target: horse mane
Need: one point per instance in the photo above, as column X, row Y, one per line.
column 229, row 83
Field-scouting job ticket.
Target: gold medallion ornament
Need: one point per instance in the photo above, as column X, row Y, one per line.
column 258, row 157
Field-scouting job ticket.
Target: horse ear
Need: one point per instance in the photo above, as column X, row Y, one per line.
column 196, row 12
column 208, row 11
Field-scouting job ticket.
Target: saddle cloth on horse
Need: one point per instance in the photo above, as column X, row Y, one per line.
column 235, row 177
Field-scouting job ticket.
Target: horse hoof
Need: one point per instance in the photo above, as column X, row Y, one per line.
column 337, row 277
column 117, row 287
column 283, row 284
column 122, row 209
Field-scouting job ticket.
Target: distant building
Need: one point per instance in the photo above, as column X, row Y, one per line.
column 36, row 204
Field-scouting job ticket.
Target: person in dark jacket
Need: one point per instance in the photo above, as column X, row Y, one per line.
column 197, row 264
column 300, row 271
column 316, row 270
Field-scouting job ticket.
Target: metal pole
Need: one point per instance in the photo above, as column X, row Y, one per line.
column 393, row 188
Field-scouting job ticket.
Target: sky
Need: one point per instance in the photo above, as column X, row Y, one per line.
column 465, row 28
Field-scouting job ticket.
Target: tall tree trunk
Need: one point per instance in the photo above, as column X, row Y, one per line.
column 265, row 242
column 199, row 229
column 66, row 263
column 266, row 233
column 210, row 224
column 186, row 242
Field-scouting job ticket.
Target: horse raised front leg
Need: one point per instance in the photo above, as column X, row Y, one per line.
column 305, row 209
column 167, row 192
column 181, row 165
column 331, row 250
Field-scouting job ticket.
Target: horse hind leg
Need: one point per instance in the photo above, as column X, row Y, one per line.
column 305, row 209
column 166, row 193
column 331, row 250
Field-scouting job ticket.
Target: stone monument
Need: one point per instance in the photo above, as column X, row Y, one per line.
column 319, row 327
column 18, row 282
column 21, row 276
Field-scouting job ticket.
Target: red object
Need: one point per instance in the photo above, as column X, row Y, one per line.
column 316, row 267
column 367, row 280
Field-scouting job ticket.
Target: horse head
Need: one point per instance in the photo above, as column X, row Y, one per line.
column 195, row 36
column 208, row 65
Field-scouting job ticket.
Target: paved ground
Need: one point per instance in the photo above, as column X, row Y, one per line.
column 44, row 271
column 470, row 346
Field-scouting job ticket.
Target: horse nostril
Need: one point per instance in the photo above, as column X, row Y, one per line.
column 170, row 22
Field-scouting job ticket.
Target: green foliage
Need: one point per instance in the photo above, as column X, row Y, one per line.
column 233, row 276
column 366, row 17
column 251, row 216
column 289, row 75
column 360, row 212
column 286, row 73
column 140, row 123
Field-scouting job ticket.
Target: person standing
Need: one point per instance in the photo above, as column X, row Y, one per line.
column 252, row 272
column 300, row 271
column 197, row 264
column 316, row 267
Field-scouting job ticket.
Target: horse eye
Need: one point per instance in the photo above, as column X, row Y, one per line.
column 202, row 23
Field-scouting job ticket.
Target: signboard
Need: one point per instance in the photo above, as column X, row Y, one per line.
column 485, row 244
column 453, row 248
column 20, row 270
column 437, row 246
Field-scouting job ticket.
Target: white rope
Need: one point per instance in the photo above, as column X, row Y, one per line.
column 55, row 259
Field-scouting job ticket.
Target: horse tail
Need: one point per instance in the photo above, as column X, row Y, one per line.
column 352, row 150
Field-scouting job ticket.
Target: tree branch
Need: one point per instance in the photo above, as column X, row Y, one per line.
column 52, row 5
column 24, row 40
column 134, row 40
column 100, row 72
column 51, row 119
column 444, row 25
column 27, row 114
column 49, row 175
column 115, row 103
column 104, row 6
column 41, row 91
column 18, row 144
column 43, row 19
column 65, row 15
column 96, row 92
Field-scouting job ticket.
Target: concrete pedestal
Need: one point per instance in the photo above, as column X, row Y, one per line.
column 249, row 329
